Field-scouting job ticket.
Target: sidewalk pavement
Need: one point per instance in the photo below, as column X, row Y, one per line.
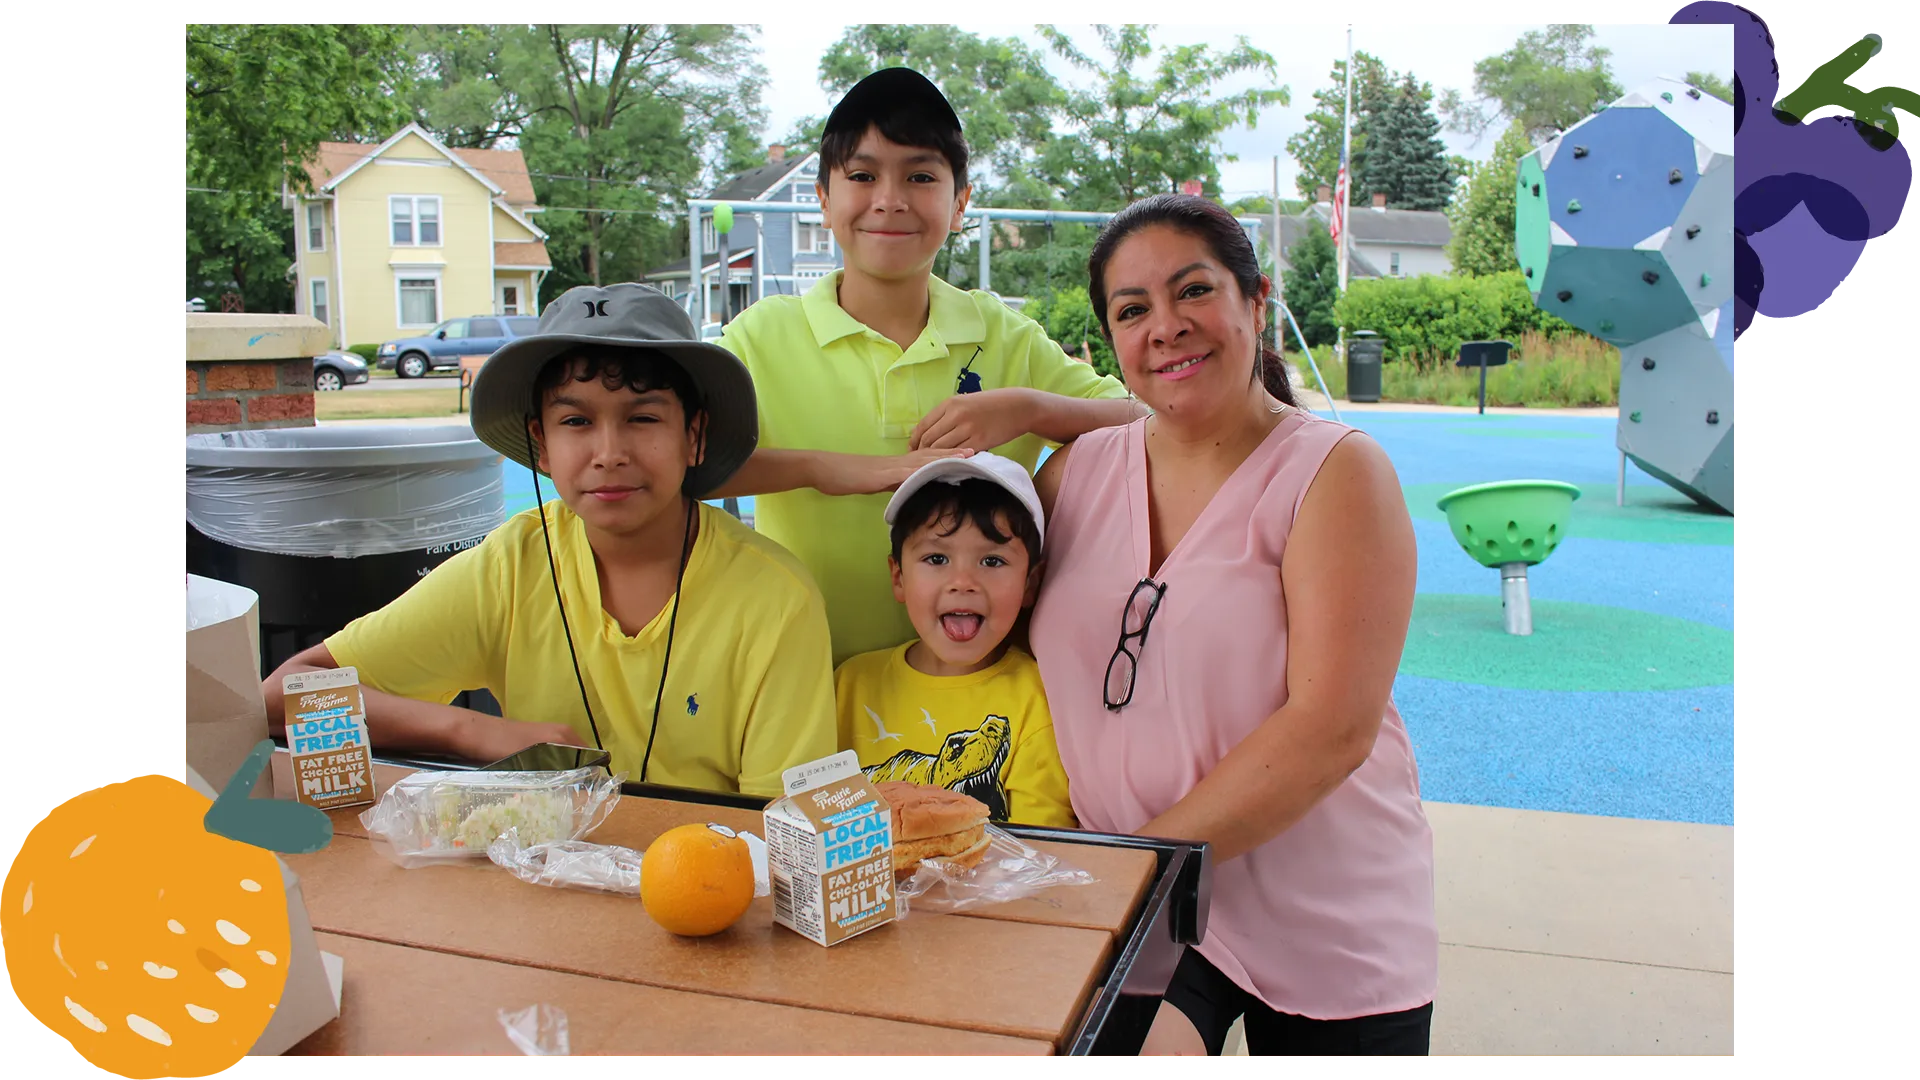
column 1570, row 934
column 1317, row 401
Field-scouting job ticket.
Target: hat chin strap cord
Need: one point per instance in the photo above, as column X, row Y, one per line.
column 679, row 584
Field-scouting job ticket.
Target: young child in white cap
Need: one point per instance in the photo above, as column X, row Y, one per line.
column 960, row 706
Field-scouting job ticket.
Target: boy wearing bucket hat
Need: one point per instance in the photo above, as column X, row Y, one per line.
column 625, row 614
column 882, row 367
column 960, row 706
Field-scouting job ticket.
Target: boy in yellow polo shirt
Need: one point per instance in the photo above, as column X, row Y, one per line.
column 625, row 613
column 882, row 367
column 960, row 707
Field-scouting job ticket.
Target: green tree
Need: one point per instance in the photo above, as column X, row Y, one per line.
column 1482, row 220
column 1316, row 149
column 1138, row 133
column 1550, row 80
column 1709, row 83
column 1312, row 284
column 1067, row 314
column 618, row 124
column 1000, row 88
column 260, row 101
column 1406, row 161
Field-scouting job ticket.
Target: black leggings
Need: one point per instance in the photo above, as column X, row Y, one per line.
column 1213, row 1001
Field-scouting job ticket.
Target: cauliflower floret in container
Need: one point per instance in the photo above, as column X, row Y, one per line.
column 429, row 817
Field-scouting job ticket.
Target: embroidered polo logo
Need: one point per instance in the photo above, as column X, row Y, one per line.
column 969, row 381
column 595, row 307
column 693, row 704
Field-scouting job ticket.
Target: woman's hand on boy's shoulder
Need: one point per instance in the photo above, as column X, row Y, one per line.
column 873, row 474
column 982, row 420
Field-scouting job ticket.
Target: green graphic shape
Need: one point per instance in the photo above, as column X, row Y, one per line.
column 1573, row 647
column 282, row 825
column 1653, row 515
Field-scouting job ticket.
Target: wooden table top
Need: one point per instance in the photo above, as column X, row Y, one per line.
column 925, row 969
column 387, row 986
column 1122, row 875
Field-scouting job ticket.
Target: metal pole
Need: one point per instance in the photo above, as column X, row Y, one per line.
column 986, row 245
column 1514, row 600
column 698, row 308
column 726, row 286
column 759, row 286
column 1346, row 155
column 1620, row 488
column 1275, row 242
column 1483, row 388
column 1302, row 339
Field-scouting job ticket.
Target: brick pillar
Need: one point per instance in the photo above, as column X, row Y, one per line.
column 247, row 372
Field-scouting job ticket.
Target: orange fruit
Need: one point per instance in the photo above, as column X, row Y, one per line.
column 153, row 946
column 696, row 880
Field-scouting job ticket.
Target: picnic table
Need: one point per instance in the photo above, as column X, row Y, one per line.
column 433, row 954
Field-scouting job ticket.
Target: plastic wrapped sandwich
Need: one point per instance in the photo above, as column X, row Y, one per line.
column 429, row 817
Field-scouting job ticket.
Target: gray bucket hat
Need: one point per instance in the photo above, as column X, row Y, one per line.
column 626, row 315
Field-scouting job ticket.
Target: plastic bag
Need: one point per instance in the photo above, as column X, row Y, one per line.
column 1012, row 869
column 605, row 868
column 430, row 817
column 538, row 1030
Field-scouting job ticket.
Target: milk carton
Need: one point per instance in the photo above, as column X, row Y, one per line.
column 327, row 738
column 830, row 851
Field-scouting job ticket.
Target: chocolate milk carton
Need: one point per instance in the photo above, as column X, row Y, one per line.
column 327, row 738
column 830, row 851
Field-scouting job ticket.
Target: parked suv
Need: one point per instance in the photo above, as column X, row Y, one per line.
column 444, row 345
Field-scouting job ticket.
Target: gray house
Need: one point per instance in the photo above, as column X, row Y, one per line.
column 774, row 254
column 1385, row 243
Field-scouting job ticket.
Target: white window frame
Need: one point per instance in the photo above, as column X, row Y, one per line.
column 803, row 192
column 319, row 302
column 1393, row 263
column 800, row 221
column 413, row 217
column 401, row 273
column 517, row 288
column 317, row 230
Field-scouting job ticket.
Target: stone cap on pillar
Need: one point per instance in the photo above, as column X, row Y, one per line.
column 213, row 336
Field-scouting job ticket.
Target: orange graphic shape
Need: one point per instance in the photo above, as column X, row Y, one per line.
column 695, row 881
column 153, row 946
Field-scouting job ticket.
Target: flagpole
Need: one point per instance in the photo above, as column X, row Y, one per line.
column 1345, row 194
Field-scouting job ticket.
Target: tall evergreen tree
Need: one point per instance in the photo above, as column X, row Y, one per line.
column 1312, row 283
column 1406, row 161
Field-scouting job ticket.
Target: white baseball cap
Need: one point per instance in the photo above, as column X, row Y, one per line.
column 993, row 468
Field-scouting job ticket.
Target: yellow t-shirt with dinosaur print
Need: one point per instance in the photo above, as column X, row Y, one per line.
column 988, row 734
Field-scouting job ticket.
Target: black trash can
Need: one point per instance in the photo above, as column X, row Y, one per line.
column 329, row 523
column 1364, row 354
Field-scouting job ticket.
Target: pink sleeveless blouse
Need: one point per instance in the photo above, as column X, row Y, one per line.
column 1333, row 918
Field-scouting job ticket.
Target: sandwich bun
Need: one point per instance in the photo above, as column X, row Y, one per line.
column 934, row 823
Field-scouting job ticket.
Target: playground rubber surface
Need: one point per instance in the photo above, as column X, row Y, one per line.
column 1620, row 702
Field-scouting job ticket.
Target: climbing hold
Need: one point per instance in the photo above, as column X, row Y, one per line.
column 1579, row 151
column 1529, row 271
column 1606, row 326
column 1692, row 93
column 1693, row 231
column 1713, row 416
column 1666, row 97
column 1536, row 191
column 1634, row 416
column 1565, row 295
column 1646, row 363
column 1674, row 176
column 1573, row 206
column 1706, row 280
column 1651, row 277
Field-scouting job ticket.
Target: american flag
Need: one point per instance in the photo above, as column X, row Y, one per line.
column 1339, row 200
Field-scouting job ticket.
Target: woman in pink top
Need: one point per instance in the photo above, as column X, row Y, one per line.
column 1228, row 589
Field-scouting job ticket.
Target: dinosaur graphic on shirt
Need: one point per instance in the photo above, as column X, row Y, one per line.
column 968, row 762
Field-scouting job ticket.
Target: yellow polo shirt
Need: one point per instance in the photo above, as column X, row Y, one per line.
column 749, row 688
column 826, row 381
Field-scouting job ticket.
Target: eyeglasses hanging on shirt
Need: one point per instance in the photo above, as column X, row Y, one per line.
column 1124, row 665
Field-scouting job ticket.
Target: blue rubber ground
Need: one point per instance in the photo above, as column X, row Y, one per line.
column 1665, row 755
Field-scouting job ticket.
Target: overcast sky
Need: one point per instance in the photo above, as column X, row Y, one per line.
column 1442, row 55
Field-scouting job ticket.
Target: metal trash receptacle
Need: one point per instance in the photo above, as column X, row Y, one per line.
column 329, row 523
column 1364, row 355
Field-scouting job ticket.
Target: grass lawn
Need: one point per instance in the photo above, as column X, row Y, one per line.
column 1579, row 371
column 388, row 404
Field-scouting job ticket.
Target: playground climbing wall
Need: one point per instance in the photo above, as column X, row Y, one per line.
column 1623, row 227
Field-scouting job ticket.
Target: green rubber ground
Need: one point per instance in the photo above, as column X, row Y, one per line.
column 1572, row 647
column 1652, row 515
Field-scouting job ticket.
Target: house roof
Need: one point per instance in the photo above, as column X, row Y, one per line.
column 1292, row 229
column 758, row 181
column 736, row 260
column 521, row 253
column 505, row 169
column 1411, row 228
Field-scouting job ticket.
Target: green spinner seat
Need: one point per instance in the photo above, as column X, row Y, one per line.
column 1511, row 525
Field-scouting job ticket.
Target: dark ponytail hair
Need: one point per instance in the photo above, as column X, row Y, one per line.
column 1225, row 239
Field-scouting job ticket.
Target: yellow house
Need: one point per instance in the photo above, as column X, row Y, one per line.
column 396, row 238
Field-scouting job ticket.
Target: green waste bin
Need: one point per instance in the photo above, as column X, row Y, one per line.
column 1364, row 354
